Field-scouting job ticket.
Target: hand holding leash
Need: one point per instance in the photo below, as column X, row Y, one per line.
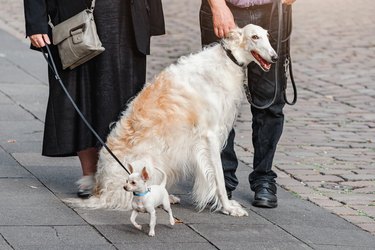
column 222, row 18
column 39, row 40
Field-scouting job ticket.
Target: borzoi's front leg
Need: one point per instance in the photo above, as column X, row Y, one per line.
column 228, row 207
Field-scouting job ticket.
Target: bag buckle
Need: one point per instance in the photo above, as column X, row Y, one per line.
column 77, row 35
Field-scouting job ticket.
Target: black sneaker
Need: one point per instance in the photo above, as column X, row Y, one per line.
column 265, row 195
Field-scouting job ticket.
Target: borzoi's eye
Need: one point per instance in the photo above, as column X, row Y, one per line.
column 255, row 37
column 133, row 183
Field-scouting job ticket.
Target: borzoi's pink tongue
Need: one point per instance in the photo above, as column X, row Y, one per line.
column 265, row 65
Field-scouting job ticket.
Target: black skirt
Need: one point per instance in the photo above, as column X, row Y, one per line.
column 101, row 87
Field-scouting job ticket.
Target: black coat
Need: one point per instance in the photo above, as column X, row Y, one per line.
column 147, row 16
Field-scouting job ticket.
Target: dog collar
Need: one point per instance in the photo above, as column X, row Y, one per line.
column 141, row 194
column 231, row 57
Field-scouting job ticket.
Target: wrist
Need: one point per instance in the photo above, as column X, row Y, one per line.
column 217, row 4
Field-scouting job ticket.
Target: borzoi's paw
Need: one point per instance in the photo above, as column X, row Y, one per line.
column 234, row 209
column 139, row 227
column 174, row 199
column 234, row 203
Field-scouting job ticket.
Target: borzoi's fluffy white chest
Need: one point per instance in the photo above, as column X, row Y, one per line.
column 215, row 85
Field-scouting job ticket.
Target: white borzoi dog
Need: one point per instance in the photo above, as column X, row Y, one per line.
column 180, row 122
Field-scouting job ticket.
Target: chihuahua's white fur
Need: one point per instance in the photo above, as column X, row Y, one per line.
column 147, row 198
column 180, row 123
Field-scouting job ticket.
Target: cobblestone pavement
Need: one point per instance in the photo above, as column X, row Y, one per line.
column 327, row 152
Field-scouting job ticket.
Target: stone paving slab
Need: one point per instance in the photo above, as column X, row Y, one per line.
column 163, row 246
column 27, row 131
column 54, row 237
column 25, row 201
column 125, row 234
column 330, row 236
column 244, row 235
column 338, row 247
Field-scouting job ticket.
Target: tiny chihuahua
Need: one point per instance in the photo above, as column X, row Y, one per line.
column 146, row 199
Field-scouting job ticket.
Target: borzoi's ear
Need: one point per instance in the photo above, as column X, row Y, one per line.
column 144, row 174
column 130, row 168
column 235, row 34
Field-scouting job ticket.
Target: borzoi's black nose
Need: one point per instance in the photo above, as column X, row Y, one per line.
column 274, row 58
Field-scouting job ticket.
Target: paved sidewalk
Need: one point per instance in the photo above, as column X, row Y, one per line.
column 326, row 155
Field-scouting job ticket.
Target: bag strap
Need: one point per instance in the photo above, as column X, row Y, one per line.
column 92, row 7
column 52, row 65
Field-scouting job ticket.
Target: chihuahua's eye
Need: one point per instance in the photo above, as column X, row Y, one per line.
column 255, row 37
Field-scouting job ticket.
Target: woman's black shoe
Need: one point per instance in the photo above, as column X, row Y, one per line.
column 85, row 186
column 84, row 193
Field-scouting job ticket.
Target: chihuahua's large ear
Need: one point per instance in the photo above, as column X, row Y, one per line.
column 144, row 174
column 130, row 168
column 235, row 34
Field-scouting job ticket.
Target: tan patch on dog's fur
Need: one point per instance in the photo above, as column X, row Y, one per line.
column 155, row 111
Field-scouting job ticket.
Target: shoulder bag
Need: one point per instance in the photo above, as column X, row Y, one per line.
column 77, row 39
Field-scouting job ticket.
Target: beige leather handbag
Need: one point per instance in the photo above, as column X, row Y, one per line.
column 77, row 39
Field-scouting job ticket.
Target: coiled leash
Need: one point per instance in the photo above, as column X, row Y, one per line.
column 287, row 63
column 52, row 65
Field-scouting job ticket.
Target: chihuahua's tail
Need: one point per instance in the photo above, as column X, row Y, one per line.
column 164, row 180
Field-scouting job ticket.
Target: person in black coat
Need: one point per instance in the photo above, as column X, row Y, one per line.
column 102, row 86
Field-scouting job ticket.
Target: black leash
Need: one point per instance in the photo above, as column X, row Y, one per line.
column 52, row 65
column 288, row 62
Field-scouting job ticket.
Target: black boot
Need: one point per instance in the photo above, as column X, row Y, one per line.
column 265, row 195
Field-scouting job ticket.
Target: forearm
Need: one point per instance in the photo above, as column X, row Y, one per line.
column 216, row 4
column 222, row 17
column 36, row 18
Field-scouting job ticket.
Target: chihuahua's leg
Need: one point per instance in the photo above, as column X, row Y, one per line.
column 152, row 222
column 167, row 207
column 132, row 219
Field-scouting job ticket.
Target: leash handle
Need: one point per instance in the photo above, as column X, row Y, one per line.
column 280, row 40
column 295, row 94
column 276, row 4
column 52, row 65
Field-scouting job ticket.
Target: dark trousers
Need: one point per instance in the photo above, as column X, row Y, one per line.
column 267, row 124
